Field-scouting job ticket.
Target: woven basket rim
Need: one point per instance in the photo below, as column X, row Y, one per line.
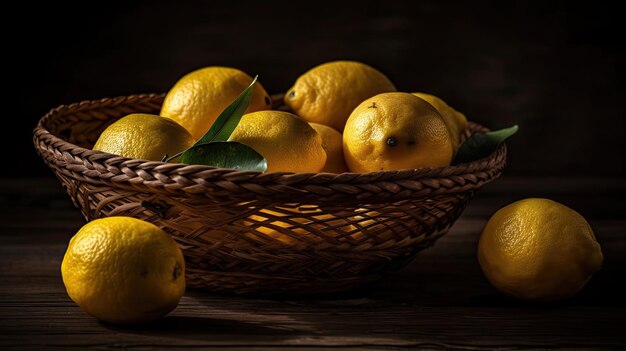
column 41, row 131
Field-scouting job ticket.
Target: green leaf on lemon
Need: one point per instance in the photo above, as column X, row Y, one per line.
column 225, row 154
column 214, row 149
column 481, row 145
column 227, row 121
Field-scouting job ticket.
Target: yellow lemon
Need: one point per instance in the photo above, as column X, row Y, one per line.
column 332, row 141
column 328, row 93
column 538, row 249
column 288, row 143
column 144, row 136
column 393, row 131
column 198, row 98
column 455, row 120
column 123, row 270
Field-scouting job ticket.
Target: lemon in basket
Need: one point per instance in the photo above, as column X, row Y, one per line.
column 538, row 249
column 198, row 98
column 332, row 141
column 288, row 143
column 144, row 136
column 393, row 131
column 123, row 270
column 455, row 120
column 327, row 94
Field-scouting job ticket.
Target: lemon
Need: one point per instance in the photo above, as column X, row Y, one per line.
column 144, row 136
column 455, row 120
column 198, row 98
column 393, row 131
column 538, row 249
column 328, row 93
column 332, row 141
column 288, row 143
column 123, row 270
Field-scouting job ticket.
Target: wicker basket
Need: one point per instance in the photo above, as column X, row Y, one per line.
column 262, row 233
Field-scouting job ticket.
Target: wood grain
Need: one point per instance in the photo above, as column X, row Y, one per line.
column 439, row 301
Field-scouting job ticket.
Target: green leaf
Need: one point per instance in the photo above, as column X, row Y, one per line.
column 227, row 121
column 225, row 154
column 481, row 145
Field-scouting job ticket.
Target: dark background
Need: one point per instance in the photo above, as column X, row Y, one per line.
column 554, row 68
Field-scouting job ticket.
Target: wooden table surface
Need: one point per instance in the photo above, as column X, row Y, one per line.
column 441, row 300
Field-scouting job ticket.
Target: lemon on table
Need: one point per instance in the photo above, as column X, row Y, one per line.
column 198, row 98
column 455, row 120
column 123, row 270
column 328, row 93
column 393, row 131
column 144, row 136
column 288, row 143
column 538, row 249
column 332, row 141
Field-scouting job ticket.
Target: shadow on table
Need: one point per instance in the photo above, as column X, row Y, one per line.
column 197, row 328
column 384, row 315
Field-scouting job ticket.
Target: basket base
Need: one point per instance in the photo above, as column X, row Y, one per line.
column 256, row 284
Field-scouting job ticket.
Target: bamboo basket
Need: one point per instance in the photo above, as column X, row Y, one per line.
column 261, row 233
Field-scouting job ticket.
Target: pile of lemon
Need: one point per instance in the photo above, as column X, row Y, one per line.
column 344, row 116
column 339, row 116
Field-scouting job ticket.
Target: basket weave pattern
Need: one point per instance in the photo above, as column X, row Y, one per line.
column 264, row 233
